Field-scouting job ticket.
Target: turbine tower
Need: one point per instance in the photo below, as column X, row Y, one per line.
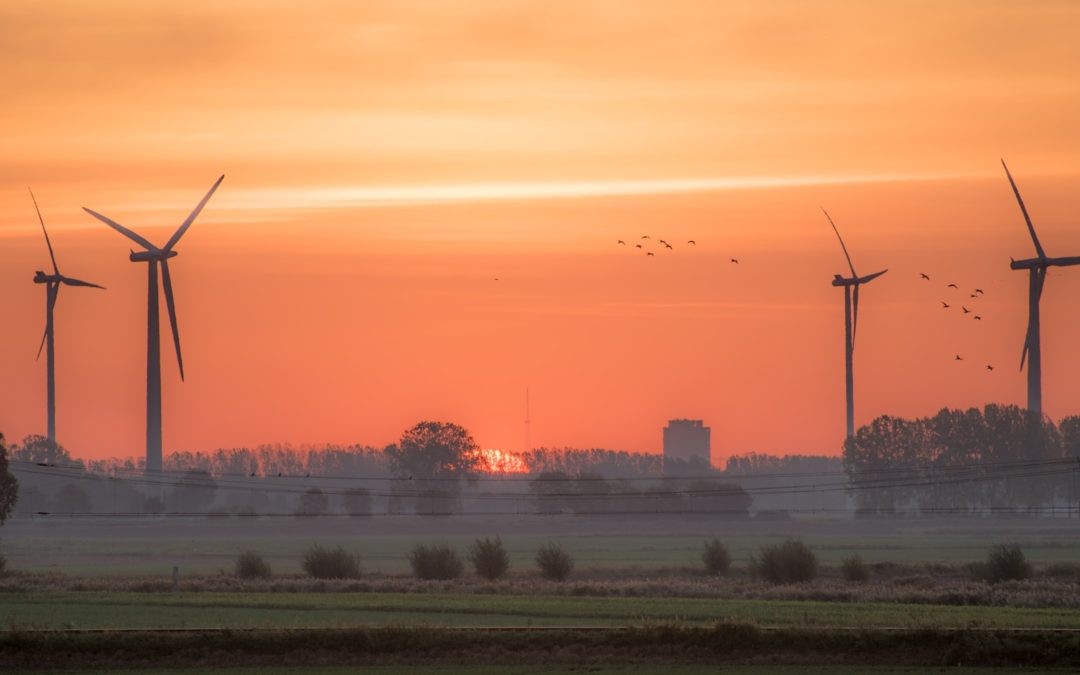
column 52, row 291
column 1036, row 268
column 154, row 256
column 851, row 320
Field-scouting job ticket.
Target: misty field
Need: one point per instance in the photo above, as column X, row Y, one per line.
column 90, row 546
column 98, row 610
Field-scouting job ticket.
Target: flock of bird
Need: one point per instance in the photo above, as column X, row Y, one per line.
column 974, row 295
column 646, row 239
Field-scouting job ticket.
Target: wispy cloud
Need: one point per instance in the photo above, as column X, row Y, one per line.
column 406, row 195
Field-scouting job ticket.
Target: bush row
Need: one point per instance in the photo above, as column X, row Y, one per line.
column 784, row 563
column 488, row 557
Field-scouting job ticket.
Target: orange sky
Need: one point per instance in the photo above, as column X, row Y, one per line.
column 386, row 161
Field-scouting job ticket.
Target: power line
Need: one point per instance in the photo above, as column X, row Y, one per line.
column 899, row 512
column 1034, row 469
column 960, row 466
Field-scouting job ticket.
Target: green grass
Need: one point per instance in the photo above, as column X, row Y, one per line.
column 321, row 610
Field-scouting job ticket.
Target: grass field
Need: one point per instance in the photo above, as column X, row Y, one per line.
column 649, row 648
column 342, row 610
column 200, row 546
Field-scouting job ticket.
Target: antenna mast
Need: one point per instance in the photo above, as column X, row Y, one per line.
column 528, row 423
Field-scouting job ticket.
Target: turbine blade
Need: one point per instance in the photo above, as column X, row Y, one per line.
column 842, row 245
column 42, row 345
column 871, row 277
column 855, row 316
column 194, row 214
column 167, row 282
column 78, row 282
column 41, row 220
column 1023, row 209
column 54, row 292
column 138, row 239
column 1024, row 353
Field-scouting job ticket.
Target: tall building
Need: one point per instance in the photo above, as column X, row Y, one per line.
column 687, row 441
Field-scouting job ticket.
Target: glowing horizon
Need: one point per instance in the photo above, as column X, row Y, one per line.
column 386, row 162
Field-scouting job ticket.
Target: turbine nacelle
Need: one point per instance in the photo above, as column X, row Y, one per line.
column 839, row 280
column 148, row 255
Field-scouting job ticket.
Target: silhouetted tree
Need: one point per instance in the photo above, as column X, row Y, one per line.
column 957, row 460
column 727, row 500
column 357, row 502
column 72, row 498
column 9, row 487
column 313, row 502
column 40, row 450
column 435, row 457
column 548, row 489
column 590, row 494
column 194, row 492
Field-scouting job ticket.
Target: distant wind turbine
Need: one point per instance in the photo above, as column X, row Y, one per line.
column 155, row 256
column 851, row 321
column 1036, row 268
column 52, row 291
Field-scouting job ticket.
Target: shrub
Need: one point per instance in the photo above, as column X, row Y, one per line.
column 489, row 558
column 786, row 563
column 435, row 562
column 1006, row 562
column 313, row 502
column 854, row 569
column 554, row 562
column 250, row 565
column 1062, row 570
column 324, row 563
column 716, row 558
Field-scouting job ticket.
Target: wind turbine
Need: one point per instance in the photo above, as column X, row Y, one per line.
column 52, row 291
column 851, row 321
column 1036, row 268
column 155, row 256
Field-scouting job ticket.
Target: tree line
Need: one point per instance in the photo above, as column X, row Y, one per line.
column 999, row 458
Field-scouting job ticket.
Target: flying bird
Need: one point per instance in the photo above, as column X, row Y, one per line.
column 924, row 276
column 945, row 304
column 735, row 260
column 668, row 246
column 650, row 253
column 989, row 367
column 622, row 242
column 496, row 278
column 644, row 236
column 691, row 242
column 958, row 358
column 952, row 286
column 966, row 310
column 978, row 318
column 637, row 245
column 979, row 291
column 663, row 242
column 974, row 295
